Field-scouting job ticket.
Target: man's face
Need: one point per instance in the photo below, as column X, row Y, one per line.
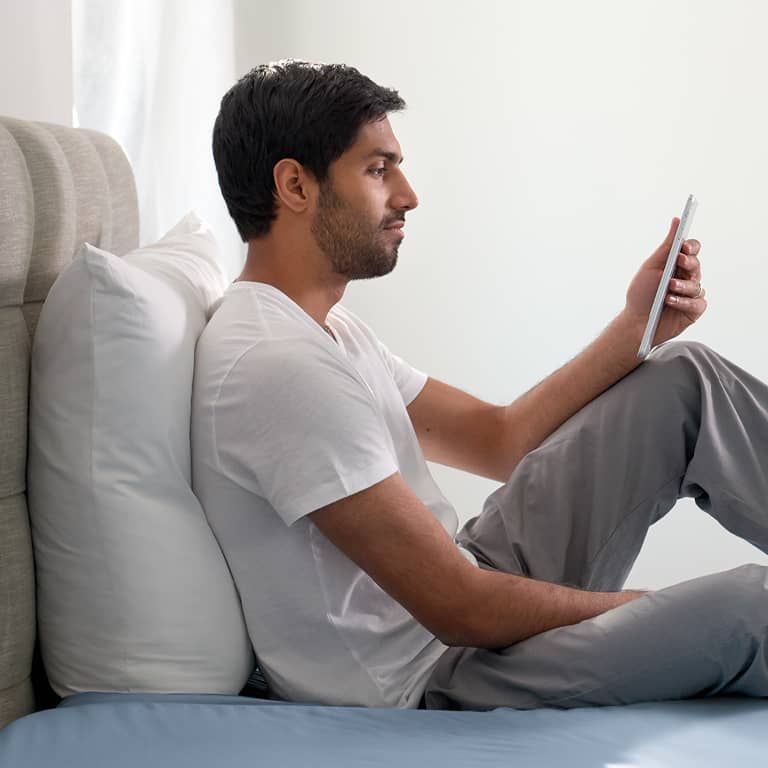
column 361, row 208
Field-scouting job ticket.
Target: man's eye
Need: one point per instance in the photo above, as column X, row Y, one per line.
column 378, row 171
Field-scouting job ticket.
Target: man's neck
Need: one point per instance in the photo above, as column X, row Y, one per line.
column 314, row 296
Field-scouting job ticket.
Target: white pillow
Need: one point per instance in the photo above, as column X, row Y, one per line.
column 133, row 591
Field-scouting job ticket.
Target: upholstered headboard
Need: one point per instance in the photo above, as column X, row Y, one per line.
column 59, row 187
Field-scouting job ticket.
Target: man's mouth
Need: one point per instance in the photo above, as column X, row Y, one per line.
column 396, row 230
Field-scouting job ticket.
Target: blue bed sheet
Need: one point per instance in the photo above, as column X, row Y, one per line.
column 150, row 731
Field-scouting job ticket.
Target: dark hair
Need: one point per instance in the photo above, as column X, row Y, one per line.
column 309, row 112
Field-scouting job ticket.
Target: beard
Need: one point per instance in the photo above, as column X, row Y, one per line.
column 355, row 248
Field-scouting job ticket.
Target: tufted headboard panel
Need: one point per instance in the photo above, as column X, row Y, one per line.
column 59, row 187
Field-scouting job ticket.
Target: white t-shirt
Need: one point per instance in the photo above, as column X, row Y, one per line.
column 284, row 421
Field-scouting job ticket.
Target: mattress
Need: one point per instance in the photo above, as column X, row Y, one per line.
column 150, row 731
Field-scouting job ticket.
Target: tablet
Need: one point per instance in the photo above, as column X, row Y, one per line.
column 666, row 276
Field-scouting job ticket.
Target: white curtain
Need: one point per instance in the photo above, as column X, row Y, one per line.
column 151, row 74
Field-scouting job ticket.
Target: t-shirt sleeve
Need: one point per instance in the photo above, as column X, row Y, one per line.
column 410, row 381
column 299, row 428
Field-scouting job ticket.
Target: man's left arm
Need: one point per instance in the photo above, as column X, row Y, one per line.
column 459, row 430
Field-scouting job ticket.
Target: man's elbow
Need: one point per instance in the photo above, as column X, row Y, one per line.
column 478, row 619
column 460, row 623
column 463, row 632
column 457, row 638
column 478, row 632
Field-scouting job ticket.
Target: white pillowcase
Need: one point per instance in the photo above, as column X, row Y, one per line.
column 133, row 591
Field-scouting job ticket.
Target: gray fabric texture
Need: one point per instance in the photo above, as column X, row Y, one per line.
column 686, row 423
column 59, row 186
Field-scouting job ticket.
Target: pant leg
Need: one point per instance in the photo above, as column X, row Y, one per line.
column 703, row 637
column 576, row 511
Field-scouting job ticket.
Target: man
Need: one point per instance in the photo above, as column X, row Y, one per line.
column 310, row 438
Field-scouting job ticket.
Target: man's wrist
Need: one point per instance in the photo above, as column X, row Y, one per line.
column 617, row 599
column 624, row 335
column 630, row 328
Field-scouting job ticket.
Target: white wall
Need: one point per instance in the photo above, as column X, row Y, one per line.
column 551, row 143
column 36, row 60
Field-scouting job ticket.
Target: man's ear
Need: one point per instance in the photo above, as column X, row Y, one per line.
column 295, row 187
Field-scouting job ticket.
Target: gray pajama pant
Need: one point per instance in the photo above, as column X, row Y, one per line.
column 686, row 423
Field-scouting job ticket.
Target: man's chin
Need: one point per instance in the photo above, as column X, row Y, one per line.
column 379, row 268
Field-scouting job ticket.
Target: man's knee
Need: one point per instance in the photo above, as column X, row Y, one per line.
column 683, row 350
column 686, row 361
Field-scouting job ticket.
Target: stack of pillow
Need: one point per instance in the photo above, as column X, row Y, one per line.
column 133, row 591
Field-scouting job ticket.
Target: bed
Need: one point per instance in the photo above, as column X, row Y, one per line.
column 60, row 187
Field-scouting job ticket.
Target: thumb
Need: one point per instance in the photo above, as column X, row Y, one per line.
column 661, row 253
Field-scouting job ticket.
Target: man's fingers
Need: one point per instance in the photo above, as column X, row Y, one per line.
column 693, row 308
column 688, row 266
column 690, row 288
column 691, row 247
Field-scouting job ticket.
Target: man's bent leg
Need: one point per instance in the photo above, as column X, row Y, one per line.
column 576, row 510
column 703, row 637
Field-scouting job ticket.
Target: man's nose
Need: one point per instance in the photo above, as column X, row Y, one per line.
column 405, row 198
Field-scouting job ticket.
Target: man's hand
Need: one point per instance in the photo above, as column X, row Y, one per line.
column 685, row 302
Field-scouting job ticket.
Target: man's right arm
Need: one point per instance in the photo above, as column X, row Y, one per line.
column 392, row 536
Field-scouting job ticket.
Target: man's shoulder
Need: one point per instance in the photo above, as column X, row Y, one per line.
column 270, row 367
column 260, row 330
column 282, row 356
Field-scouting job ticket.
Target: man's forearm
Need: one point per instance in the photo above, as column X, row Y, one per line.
column 539, row 412
column 503, row 609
